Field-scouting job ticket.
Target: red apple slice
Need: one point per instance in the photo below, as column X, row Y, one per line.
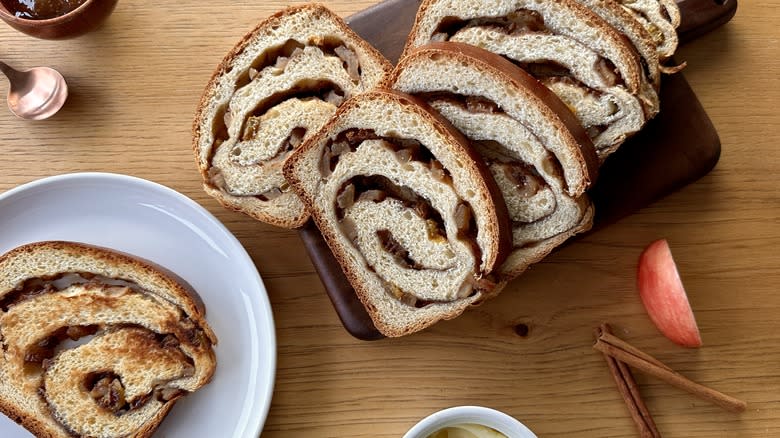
column 664, row 297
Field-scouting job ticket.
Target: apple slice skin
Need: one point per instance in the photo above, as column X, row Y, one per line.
column 664, row 296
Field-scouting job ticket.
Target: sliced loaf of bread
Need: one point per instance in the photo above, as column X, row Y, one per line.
column 572, row 50
column 541, row 158
column 408, row 209
column 143, row 341
column 277, row 87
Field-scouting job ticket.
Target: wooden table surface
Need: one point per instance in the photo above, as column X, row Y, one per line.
column 135, row 84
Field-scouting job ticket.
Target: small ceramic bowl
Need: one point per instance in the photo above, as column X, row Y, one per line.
column 492, row 418
column 76, row 22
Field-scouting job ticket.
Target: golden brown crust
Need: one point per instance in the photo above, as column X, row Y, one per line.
column 32, row 424
column 152, row 425
column 421, row 12
column 485, row 60
column 225, row 201
column 500, row 230
column 189, row 301
column 226, row 63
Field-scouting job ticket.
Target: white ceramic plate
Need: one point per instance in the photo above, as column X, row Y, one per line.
column 156, row 223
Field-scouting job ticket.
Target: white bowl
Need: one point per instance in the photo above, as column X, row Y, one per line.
column 499, row 421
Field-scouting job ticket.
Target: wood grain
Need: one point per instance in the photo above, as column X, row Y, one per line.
column 135, row 84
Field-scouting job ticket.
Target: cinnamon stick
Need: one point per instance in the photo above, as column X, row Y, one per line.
column 620, row 350
column 630, row 393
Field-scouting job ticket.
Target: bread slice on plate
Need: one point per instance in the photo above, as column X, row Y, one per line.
column 588, row 63
column 536, row 150
column 278, row 86
column 96, row 343
column 408, row 209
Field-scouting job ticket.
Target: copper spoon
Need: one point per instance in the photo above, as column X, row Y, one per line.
column 35, row 94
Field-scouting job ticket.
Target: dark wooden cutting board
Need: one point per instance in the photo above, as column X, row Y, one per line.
column 676, row 148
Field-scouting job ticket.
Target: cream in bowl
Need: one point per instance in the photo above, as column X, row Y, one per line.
column 467, row 431
column 469, row 422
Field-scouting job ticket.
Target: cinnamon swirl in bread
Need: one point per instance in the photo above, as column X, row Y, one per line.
column 661, row 19
column 408, row 209
column 277, row 87
column 572, row 50
column 539, row 155
column 143, row 341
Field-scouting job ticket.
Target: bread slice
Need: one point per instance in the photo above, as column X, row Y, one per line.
column 661, row 19
column 143, row 341
column 408, row 209
column 588, row 63
column 541, row 158
column 626, row 23
column 277, row 87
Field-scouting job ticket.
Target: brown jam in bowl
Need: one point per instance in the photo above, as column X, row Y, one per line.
column 40, row 9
